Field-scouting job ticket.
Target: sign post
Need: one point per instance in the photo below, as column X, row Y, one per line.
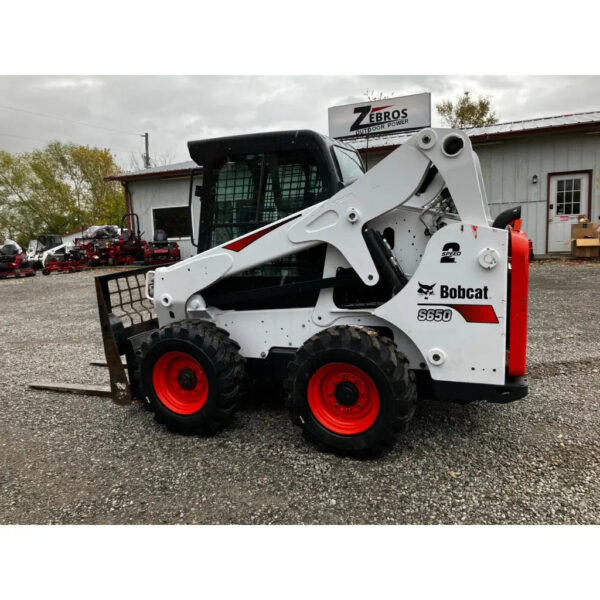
column 380, row 116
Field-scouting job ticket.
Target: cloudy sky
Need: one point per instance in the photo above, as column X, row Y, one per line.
column 175, row 109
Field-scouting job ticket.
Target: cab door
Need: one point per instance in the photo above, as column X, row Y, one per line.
column 248, row 191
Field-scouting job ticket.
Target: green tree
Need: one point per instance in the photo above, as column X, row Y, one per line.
column 57, row 190
column 467, row 111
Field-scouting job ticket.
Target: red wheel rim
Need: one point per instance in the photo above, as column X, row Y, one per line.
column 180, row 383
column 350, row 418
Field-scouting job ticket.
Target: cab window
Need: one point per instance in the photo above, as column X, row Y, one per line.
column 253, row 190
column 351, row 167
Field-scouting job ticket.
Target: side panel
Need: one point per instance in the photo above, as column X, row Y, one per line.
column 454, row 309
column 260, row 331
column 453, row 312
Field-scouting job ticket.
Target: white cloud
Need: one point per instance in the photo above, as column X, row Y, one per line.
column 175, row 109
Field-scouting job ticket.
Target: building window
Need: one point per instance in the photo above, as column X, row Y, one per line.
column 174, row 220
column 568, row 196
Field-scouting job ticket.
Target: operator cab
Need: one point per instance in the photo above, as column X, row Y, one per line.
column 252, row 180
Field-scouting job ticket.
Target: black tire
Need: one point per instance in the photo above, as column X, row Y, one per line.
column 45, row 271
column 223, row 367
column 385, row 368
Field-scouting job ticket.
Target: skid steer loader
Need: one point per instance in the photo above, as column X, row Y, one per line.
column 360, row 291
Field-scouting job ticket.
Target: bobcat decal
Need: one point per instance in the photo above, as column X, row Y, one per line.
column 426, row 290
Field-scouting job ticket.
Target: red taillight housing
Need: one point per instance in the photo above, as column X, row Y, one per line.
column 519, row 286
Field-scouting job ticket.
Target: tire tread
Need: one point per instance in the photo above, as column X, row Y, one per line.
column 378, row 349
column 229, row 365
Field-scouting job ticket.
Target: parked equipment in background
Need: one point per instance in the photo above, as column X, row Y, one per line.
column 160, row 250
column 65, row 259
column 13, row 261
column 43, row 245
column 360, row 291
column 113, row 245
column 98, row 241
column 130, row 246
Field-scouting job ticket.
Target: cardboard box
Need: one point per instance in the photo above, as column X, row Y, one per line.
column 586, row 247
column 584, row 230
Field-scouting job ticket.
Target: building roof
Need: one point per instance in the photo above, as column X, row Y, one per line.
column 500, row 130
column 556, row 124
column 172, row 170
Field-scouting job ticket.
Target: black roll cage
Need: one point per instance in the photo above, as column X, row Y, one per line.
column 210, row 154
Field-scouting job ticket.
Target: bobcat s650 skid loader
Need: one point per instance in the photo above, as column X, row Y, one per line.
column 361, row 291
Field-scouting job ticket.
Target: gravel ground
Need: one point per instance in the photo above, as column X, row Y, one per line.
column 80, row 459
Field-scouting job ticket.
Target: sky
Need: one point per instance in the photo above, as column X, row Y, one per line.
column 175, row 109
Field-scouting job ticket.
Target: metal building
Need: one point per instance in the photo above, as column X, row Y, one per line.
column 159, row 195
column 550, row 166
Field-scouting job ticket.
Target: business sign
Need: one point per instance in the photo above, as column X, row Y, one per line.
column 380, row 116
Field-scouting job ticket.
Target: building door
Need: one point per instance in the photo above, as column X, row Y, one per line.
column 568, row 195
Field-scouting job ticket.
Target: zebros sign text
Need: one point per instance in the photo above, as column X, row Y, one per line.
column 381, row 116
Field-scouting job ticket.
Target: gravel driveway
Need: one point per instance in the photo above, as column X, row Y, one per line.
column 79, row 459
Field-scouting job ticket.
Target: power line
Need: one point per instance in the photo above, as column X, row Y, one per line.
column 22, row 137
column 30, row 112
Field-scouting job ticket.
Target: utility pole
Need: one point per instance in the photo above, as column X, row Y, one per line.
column 146, row 156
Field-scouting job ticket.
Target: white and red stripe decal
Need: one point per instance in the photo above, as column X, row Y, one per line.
column 241, row 243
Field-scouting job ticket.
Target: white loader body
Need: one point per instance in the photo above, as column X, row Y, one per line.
column 450, row 318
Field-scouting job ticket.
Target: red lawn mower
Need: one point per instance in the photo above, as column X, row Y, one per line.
column 13, row 261
column 66, row 260
column 130, row 247
column 97, row 242
column 111, row 245
column 160, row 251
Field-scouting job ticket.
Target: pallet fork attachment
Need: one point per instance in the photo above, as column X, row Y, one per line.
column 119, row 386
column 124, row 312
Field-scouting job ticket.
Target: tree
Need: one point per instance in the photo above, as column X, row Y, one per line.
column 56, row 190
column 467, row 112
column 136, row 162
column 373, row 96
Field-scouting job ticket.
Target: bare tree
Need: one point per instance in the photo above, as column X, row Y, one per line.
column 372, row 95
column 136, row 161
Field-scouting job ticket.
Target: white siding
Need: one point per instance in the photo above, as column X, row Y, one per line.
column 147, row 194
column 509, row 166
